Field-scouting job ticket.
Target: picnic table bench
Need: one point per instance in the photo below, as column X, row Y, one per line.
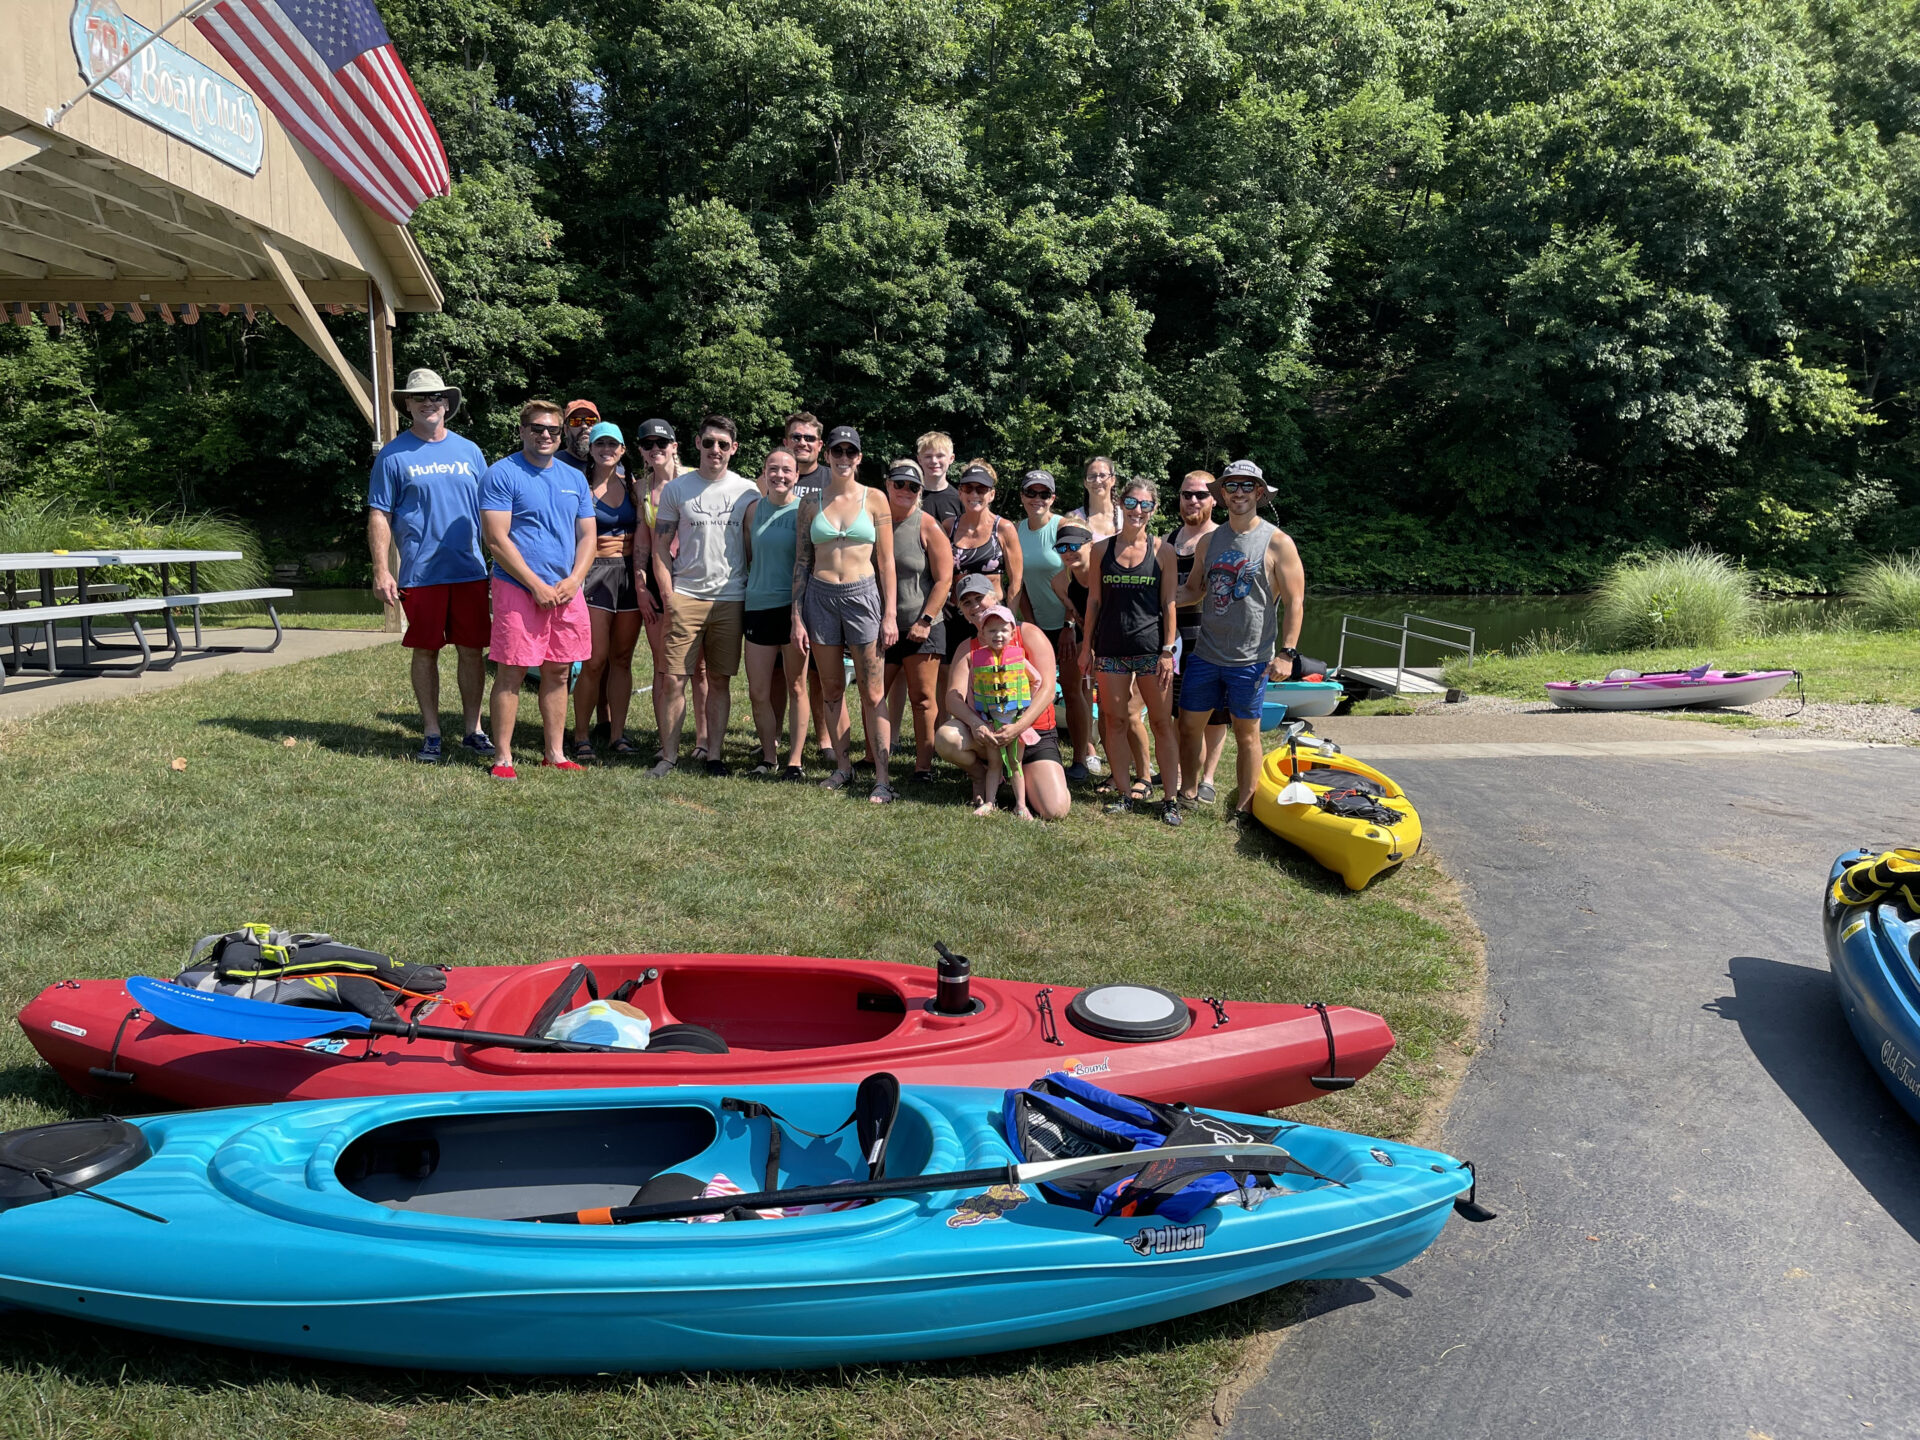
column 52, row 611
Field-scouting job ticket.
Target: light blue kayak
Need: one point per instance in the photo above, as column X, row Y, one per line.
column 383, row 1230
column 1299, row 700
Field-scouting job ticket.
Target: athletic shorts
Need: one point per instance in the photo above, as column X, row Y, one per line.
column 1189, row 637
column 959, row 635
column 905, row 649
column 1047, row 747
column 709, row 628
column 842, row 614
column 1240, row 689
column 439, row 615
column 1126, row 664
column 770, row 627
column 529, row 634
column 609, row 585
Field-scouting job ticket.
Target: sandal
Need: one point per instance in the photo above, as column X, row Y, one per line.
column 765, row 767
column 838, row 780
column 583, row 752
column 1141, row 793
column 923, row 777
column 623, row 746
column 882, row 794
column 662, row 768
column 793, row 772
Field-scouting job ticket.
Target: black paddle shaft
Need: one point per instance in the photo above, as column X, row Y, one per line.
column 795, row 1195
column 413, row 1030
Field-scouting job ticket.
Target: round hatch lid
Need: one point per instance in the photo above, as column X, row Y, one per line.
column 1128, row 1013
column 70, row 1154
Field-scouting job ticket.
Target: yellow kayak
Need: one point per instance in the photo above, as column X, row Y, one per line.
column 1357, row 845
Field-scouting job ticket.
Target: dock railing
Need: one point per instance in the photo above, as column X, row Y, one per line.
column 1395, row 637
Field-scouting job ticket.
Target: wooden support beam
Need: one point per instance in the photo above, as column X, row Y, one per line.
column 296, row 312
column 67, row 259
column 165, row 208
column 11, row 264
column 19, row 145
column 112, row 228
column 201, row 290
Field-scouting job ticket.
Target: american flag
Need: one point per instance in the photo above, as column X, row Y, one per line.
column 327, row 69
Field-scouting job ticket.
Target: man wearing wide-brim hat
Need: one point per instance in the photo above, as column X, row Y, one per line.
column 424, row 499
column 1251, row 590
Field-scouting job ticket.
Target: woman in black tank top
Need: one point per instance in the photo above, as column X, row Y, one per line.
column 1130, row 620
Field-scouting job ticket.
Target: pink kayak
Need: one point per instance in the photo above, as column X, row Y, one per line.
column 1672, row 690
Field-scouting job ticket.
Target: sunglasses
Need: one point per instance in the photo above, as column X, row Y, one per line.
column 843, row 451
column 544, row 429
column 912, row 487
column 802, row 439
column 715, row 442
column 1068, row 547
column 966, row 485
column 654, row 442
column 1037, row 494
column 1134, row 502
column 1241, row 487
column 1196, row 494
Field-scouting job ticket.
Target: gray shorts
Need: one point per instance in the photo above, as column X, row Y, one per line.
column 842, row 614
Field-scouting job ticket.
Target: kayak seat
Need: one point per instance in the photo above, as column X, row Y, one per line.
column 666, row 1186
column 685, row 1039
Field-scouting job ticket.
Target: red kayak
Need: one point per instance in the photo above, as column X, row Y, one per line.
column 781, row 1017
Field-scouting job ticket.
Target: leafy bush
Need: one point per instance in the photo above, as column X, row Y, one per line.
column 1887, row 592
column 1677, row 597
column 29, row 524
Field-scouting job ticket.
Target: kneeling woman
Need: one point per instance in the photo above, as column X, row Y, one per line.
column 843, row 601
column 965, row 741
column 613, row 601
column 1130, row 617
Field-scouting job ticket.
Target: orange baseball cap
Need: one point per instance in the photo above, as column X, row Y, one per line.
column 574, row 407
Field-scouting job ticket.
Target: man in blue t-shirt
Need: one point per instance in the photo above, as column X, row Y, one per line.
column 537, row 517
column 424, row 498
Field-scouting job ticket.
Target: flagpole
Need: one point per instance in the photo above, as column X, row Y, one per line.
column 54, row 117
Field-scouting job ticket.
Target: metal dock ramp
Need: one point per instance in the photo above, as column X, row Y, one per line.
column 1378, row 680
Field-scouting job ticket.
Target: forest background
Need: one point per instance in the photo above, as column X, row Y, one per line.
column 1496, row 290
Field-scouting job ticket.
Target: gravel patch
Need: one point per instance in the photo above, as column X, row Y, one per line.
column 1877, row 724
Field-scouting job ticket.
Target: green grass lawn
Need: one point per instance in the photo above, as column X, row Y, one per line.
column 297, row 805
column 1845, row 665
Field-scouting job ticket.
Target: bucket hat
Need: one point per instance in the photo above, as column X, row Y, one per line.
column 428, row 382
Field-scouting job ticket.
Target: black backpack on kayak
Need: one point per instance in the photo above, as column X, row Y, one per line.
column 295, row 968
column 1061, row 1118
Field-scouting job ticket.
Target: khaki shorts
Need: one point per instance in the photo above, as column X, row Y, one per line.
column 712, row 628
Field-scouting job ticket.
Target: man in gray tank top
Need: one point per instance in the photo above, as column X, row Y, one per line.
column 1245, row 574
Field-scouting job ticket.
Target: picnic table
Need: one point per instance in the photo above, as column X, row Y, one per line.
column 51, row 610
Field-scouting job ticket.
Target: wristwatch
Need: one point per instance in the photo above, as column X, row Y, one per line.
column 1166, row 649
column 924, row 620
column 1289, row 650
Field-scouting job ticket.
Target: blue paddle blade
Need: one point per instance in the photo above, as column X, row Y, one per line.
column 229, row 1017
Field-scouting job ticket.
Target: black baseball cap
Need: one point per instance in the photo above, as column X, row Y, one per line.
column 844, row 435
column 976, row 475
column 655, row 430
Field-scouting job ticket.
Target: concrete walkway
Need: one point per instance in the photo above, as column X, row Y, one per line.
column 34, row 692
column 1709, row 1206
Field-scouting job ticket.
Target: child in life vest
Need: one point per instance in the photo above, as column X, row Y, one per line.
column 1003, row 683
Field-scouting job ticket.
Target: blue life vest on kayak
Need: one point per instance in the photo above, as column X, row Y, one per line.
column 1060, row 1118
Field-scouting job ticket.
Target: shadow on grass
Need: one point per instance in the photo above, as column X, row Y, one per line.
column 108, row 1358
column 1791, row 1019
column 1256, row 842
column 341, row 737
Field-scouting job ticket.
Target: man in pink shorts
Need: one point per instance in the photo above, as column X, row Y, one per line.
column 537, row 519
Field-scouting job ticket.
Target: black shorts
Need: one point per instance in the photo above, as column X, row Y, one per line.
column 772, row 626
column 1188, row 639
column 904, row 649
column 609, row 585
column 1046, row 748
column 959, row 635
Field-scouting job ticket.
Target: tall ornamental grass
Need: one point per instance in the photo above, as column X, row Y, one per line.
column 1679, row 598
column 1886, row 592
column 29, row 525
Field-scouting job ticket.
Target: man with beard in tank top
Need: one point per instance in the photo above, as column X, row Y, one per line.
column 1244, row 575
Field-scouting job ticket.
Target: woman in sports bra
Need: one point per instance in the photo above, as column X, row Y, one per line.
column 1130, row 619
column 843, row 601
column 983, row 544
column 613, row 604
column 659, row 463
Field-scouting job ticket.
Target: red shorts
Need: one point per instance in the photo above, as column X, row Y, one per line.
column 440, row 615
column 526, row 634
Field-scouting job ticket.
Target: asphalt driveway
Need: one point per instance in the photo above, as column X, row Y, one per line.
column 1709, row 1206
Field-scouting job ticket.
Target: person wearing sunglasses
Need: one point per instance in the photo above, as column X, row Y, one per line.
column 613, row 600
column 776, row 669
column 844, row 603
column 700, row 565
column 983, row 544
column 1071, row 543
column 1196, row 522
column 1041, row 563
column 537, row 518
column 922, row 578
column 423, row 499
column 577, row 441
column 1130, row 621
column 964, row 740
column 1251, row 590
column 802, row 438
column 659, row 449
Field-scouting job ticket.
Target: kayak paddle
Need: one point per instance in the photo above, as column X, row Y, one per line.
column 233, row 1017
column 1262, row 1159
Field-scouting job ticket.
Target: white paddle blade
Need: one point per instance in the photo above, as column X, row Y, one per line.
column 1231, row 1157
column 1296, row 792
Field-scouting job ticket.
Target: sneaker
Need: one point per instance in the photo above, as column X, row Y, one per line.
column 662, row 768
column 1095, row 766
column 716, row 768
column 764, row 769
column 561, row 765
column 478, row 743
column 1120, row 807
column 1078, row 774
column 429, row 751
column 793, row 772
column 1170, row 812
column 503, row 772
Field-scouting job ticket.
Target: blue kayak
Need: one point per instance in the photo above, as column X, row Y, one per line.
column 1299, row 700
column 394, row 1231
column 1874, row 952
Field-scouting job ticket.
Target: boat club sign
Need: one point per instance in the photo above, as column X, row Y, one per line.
column 165, row 86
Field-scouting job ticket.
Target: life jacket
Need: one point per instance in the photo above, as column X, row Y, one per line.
column 1890, row 875
column 1002, row 688
column 1060, row 1118
column 289, row 968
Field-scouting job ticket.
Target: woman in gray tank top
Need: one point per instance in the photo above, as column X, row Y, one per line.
column 923, row 575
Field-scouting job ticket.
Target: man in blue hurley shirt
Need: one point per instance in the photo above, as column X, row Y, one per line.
column 537, row 517
column 425, row 497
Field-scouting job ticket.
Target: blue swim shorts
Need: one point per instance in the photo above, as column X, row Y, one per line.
column 1238, row 689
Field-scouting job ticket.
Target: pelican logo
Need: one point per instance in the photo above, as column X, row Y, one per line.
column 1169, row 1240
